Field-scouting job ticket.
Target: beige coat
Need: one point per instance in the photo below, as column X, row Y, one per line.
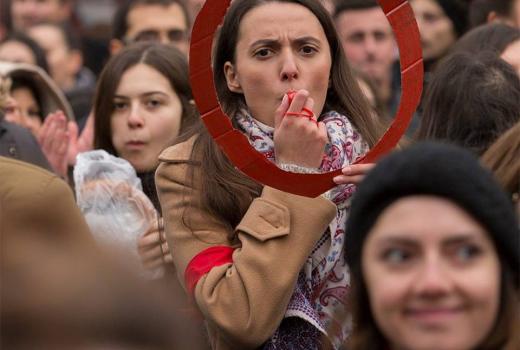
column 243, row 302
column 36, row 202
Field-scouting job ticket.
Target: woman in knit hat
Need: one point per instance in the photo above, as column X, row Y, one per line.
column 434, row 253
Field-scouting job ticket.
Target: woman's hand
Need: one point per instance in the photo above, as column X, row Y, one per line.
column 298, row 140
column 153, row 248
column 80, row 143
column 54, row 141
column 353, row 174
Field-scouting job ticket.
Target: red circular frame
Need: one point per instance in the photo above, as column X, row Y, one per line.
column 236, row 146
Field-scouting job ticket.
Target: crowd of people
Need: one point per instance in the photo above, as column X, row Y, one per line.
column 418, row 251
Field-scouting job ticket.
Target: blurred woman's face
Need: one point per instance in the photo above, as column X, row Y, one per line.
column 512, row 55
column 23, row 109
column 280, row 47
column 437, row 31
column 146, row 118
column 432, row 275
column 15, row 51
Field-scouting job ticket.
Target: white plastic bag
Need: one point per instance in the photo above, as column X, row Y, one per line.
column 110, row 196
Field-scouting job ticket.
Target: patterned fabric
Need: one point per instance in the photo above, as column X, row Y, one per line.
column 324, row 280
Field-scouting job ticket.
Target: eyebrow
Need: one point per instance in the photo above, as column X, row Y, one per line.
column 146, row 94
column 452, row 240
column 460, row 238
column 276, row 43
column 400, row 241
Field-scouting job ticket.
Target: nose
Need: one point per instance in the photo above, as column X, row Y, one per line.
column 289, row 69
column 433, row 279
column 135, row 118
column 164, row 39
column 370, row 44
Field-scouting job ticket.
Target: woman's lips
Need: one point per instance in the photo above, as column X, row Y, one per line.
column 135, row 145
column 433, row 315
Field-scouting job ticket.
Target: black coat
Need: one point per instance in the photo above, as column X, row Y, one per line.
column 18, row 143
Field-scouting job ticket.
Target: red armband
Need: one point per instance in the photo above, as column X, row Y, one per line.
column 203, row 262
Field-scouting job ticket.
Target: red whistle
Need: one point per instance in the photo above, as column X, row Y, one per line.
column 290, row 95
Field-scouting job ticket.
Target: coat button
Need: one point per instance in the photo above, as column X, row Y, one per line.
column 12, row 150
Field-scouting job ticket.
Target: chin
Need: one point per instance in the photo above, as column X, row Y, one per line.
column 437, row 342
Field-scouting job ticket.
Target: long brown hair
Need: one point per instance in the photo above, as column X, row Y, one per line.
column 226, row 192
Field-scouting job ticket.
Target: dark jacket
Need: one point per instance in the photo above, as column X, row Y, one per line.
column 18, row 143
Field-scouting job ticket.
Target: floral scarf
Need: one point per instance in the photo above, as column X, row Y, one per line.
column 324, row 280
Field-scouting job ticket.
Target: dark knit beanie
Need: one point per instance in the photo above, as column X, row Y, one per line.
column 457, row 11
column 439, row 170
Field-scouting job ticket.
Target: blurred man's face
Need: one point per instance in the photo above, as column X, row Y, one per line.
column 26, row 13
column 63, row 64
column 368, row 41
column 164, row 24
column 437, row 30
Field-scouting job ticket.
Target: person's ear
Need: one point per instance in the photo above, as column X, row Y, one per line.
column 233, row 82
column 115, row 46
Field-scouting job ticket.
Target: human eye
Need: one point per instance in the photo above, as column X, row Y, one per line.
column 153, row 103
column 431, row 17
column 396, row 256
column 11, row 109
column 380, row 36
column 147, row 35
column 120, row 105
column 357, row 37
column 34, row 113
column 308, row 50
column 263, row 52
column 176, row 35
column 466, row 252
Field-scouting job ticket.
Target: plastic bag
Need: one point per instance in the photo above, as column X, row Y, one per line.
column 110, row 196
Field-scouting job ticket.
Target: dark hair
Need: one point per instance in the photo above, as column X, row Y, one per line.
column 165, row 59
column 38, row 52
column 348, row 5
column 23, row 82
column 494, row 37
column 479, row 10
column 226, row 192
column 5, row 15
column 471, row 101
column 120, row 20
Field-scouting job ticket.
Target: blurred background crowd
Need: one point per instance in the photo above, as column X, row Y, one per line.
column 112, row 75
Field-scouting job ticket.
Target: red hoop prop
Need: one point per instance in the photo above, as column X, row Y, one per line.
column 236, row 146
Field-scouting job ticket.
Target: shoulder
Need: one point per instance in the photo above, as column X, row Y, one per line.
column 21, row 179
column 174, row 165
column 179, row 152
